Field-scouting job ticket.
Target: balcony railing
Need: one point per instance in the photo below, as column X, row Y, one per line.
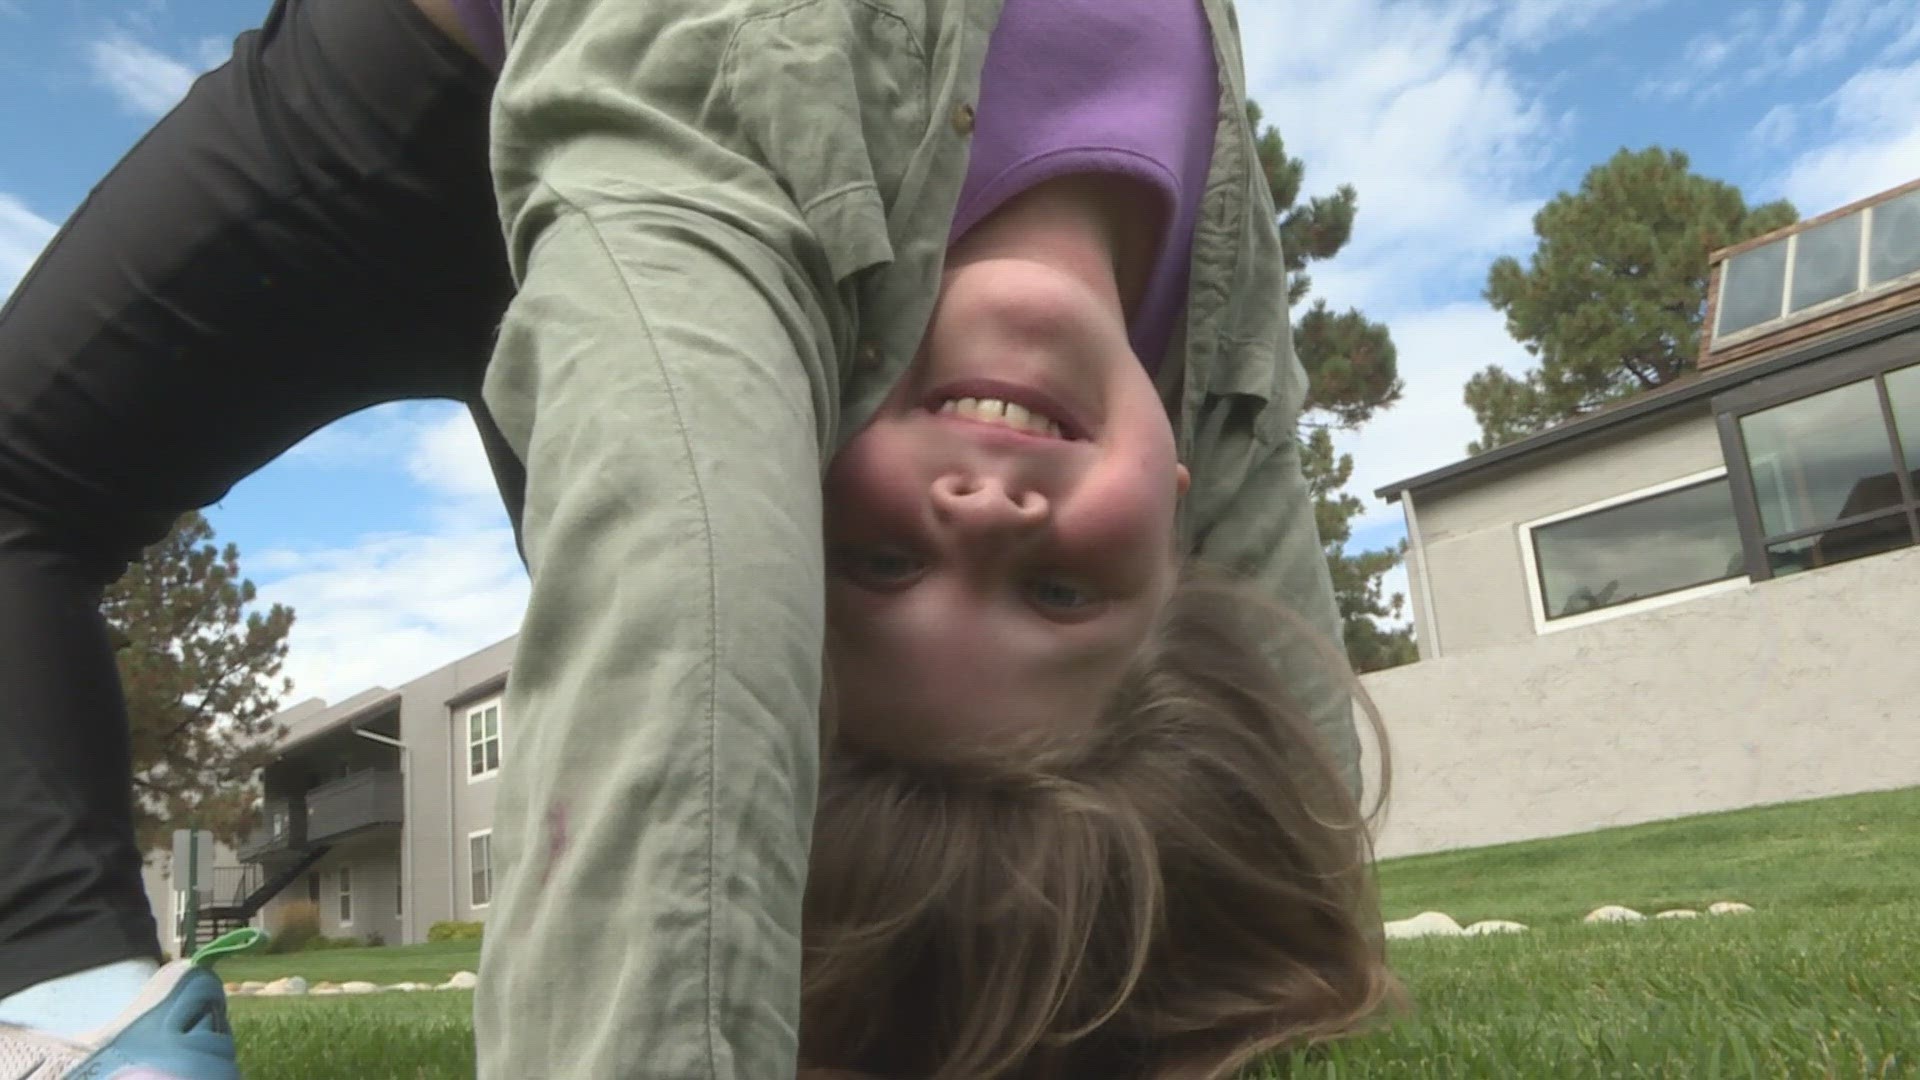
column 365, row 799
column 277, row 834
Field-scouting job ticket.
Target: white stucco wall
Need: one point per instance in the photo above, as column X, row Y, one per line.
column 1476, row 578
column 1790, row 689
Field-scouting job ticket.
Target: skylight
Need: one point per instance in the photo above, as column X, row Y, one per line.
column 1821, row 267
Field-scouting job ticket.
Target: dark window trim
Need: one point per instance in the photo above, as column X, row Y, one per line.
column 1871, row 362
column 1733, row 447
column 1801, row 382
column 1837, row 524
column 1901, row 474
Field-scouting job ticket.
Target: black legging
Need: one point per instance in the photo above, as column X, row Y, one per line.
column 309, row 233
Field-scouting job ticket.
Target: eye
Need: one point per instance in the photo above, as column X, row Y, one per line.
column 878, row 568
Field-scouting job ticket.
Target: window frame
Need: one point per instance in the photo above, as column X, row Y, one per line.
column 467, row 713
column 472, row 904
column 1871, row 362
column 343, row 877
column 1862, row 292
column 1530, row 560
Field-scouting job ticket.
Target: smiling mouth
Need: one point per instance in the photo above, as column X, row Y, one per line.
column 1002, row 414
column 1005, row 405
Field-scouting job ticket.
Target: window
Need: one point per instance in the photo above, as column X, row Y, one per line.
column 483, row 740
column 1750, row 287
column 346, row 896
column 1893, row 240
column 1826, row 264
column 313, row 888
column 399, row 894
column 1875, row 246
column 1660, row 542
column 1833, row 471
column 480, row 867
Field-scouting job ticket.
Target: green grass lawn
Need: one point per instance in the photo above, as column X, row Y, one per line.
column 417, row 1036
column 1823, row 981
column 430, row 963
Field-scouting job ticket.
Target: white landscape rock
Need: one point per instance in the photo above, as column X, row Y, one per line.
column 1425, row 924
column 252, row 987
column 358, row 988
column 291, row 986
column 1494, row 926
column 1678, row 913
column 1730, row 907
column 461, row 980
column 405, row 988
column 324, row 989
column 1613, row 913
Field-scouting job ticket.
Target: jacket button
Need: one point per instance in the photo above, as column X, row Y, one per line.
column 870, row 355
column 963, row 118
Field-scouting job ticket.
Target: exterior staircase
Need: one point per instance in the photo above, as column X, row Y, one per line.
column 240, row 893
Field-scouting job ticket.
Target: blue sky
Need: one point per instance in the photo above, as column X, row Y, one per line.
column 1454, row 119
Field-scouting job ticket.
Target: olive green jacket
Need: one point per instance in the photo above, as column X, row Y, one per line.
column 727, row 219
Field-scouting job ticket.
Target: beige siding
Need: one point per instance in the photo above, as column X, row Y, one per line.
column 473, row 798
column 426, row 858
column 1789, row 689
column 446, row 804
column 1471, row 536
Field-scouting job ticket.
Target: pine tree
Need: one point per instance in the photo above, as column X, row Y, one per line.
column 1613, row 298
column 202, row 679
column 1352, row 374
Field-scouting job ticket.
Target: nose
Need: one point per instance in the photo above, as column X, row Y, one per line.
column 987, row 505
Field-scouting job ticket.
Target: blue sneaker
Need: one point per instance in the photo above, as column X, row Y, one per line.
column 175, row 1030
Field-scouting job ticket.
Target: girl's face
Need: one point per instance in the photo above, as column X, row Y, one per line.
column 1001, row 537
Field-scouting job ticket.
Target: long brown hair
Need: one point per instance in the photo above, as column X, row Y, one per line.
column 1183, row 891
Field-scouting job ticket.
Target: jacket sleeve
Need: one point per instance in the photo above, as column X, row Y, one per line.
column 1265, row 535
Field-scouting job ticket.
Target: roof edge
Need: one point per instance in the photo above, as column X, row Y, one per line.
column 348, row 717
column 1713, row 381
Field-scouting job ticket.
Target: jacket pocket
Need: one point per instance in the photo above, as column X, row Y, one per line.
column 1256, row 378
column 833, row 96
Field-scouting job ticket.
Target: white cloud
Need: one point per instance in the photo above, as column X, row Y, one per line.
column 1778, row 127
column 23, row 234
column 448, row 459
column 393, row 608
column 1874, row 144
column 211, row 52
column 1440, row 348
column 1765, row 43
column 371, row 437
column 145, row 79
column 1538, row 22
column 1417, row 105
column 1412, row 105
column 390, row 608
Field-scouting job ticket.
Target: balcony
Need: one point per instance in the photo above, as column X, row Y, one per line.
column 360, row 801
column 278, row 835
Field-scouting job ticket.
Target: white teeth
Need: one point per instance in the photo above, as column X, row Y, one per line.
column 1003, row 413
